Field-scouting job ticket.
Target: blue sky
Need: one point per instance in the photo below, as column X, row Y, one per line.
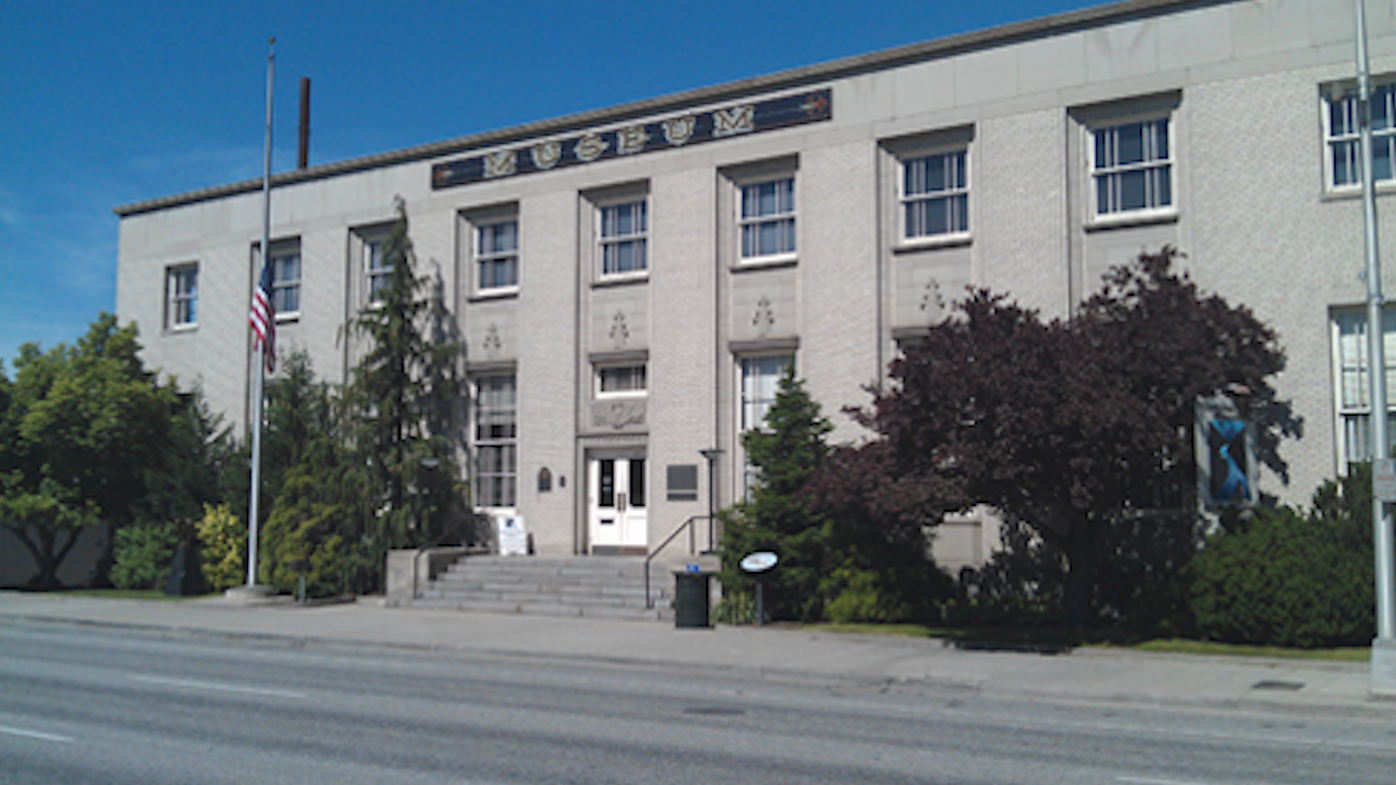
column 108, row 103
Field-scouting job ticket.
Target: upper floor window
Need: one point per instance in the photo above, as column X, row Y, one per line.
column 621, row 380
column 768, row 218
column 378, row 271
column 182, row 296
column 286, row 280
column 935, row 196
column 1132, row 168
column 1342, row 127
column 497, row 254
column 623, row 237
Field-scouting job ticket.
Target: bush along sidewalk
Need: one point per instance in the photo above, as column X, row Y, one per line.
column 1283, row 577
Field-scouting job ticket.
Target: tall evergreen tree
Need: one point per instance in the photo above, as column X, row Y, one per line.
column 787, row 449
column 406, row 378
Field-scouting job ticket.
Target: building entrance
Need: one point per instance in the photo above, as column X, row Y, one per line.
column 616, row 501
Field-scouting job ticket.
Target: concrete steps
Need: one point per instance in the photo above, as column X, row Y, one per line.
column 610, row 587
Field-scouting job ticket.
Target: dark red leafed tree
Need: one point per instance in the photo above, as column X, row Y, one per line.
column 1076, row 428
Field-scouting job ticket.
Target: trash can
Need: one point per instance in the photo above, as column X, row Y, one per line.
column 691, row 600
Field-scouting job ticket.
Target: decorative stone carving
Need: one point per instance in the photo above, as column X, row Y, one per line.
column 765, row 317
column 932, row 304
column 492, row 344
column 618, row 414
column 620, row 331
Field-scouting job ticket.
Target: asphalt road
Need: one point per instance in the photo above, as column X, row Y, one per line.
column 92, row 704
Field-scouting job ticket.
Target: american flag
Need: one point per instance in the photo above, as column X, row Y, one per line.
column 263, row 318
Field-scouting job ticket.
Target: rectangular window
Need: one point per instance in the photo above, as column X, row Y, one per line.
column 286, row 281
column 497, row 254
column 607, row 483
column 636, row 476
column 1344, row 148
column 496, row 441
column 1132, row 168
column 768, row 218
column 378, row 272
column 621, row 380
column 623, row 238
column 1354, row 388
column 935, row 196
column 760, row 380
column 182, row 296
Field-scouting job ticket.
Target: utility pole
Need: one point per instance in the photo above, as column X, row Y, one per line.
column 1383, row 674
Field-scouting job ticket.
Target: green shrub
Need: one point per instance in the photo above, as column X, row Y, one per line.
column 142, row 554
column 304, row 528
column 1288, row 579
column 736, row 607
column 862, row 596
column 223, row 546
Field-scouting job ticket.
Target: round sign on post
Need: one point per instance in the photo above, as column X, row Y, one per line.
column 756, row 564
column 760, row 561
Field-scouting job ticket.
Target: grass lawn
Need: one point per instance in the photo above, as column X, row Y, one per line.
column 1056, row 640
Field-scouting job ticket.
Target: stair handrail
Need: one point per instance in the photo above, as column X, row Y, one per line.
column 692, row 548
column 472, row 519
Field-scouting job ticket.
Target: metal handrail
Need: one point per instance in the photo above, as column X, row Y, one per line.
column 469, row 520
column 692, row 548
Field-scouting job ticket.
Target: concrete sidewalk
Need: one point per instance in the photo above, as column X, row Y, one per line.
column 1097, row 675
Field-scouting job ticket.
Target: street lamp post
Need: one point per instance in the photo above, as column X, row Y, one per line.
column 711, row 454
column 1383, row 658
column 429, row 463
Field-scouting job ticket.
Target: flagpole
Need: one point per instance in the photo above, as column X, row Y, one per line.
column 257, row 378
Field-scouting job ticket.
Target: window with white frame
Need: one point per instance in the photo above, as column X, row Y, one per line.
column 1132, row 168
column 182, row 296
column 497, row 254
column 760, row 383
column 378, row 271
column 1342, row 128
column 767, row 218
column 1353, row 396
column 935, row 195
column 623, row 237
column 496, row 441
column 286, row 280
column 621, row 380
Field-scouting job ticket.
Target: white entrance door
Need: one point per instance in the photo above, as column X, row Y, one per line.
column 616, row 503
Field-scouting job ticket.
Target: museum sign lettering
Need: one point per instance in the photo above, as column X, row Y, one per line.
column 681, row 131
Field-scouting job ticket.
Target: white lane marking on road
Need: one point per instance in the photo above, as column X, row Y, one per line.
column 1151, row 781
column 33, row 734
column 214, row 687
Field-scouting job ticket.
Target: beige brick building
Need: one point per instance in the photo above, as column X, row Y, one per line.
column 630, row 281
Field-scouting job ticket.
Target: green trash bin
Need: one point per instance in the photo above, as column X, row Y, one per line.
column 691, row 600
